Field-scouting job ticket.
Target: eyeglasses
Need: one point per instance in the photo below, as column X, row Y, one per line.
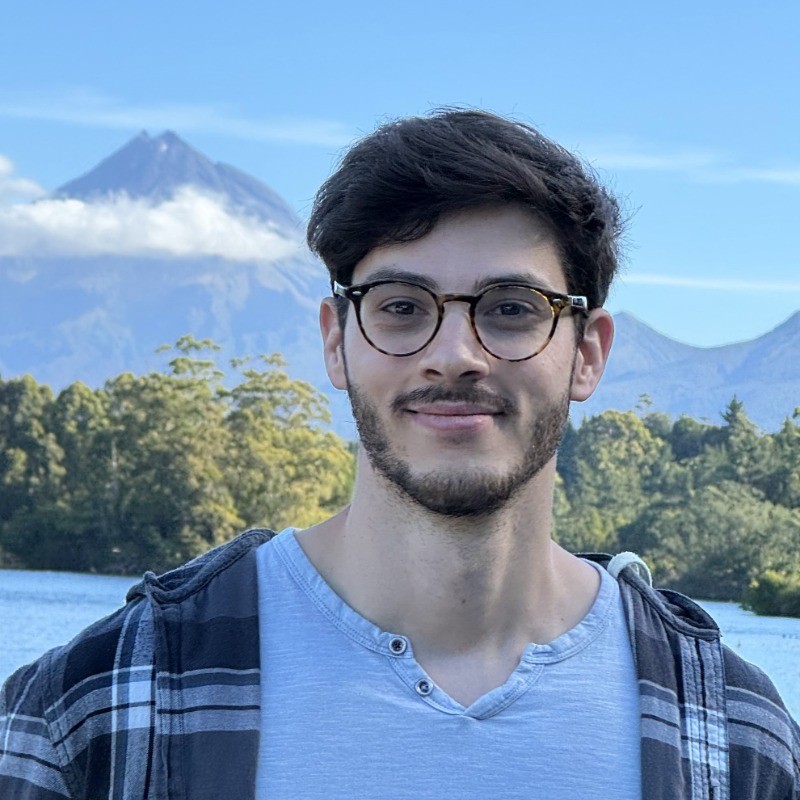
column 512, row 322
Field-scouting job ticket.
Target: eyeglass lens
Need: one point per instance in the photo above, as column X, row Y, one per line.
column 512, row 322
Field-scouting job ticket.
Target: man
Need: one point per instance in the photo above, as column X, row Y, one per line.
column 431, row 640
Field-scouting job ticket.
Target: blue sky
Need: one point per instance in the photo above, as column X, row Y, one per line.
column 689, row 110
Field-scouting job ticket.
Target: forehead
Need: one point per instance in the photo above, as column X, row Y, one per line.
column 470, row 249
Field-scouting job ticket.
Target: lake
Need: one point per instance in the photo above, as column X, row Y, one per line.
column 39, row 610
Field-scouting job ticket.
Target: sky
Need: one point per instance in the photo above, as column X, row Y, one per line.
column 690, row 112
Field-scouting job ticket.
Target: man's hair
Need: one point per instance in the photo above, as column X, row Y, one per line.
column 395, row 184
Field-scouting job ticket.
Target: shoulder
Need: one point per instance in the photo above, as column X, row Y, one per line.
column 679, row 649
column 51, row 711
column 125, row 639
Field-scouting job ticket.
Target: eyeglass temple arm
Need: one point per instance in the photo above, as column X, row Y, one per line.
column 337, row 290
column 577, row 301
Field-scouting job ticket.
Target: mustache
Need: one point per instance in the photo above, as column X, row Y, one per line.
column 443, row 394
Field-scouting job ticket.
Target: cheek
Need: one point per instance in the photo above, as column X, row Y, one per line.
column 542, row 387
column 364, row 366
column 558, row 361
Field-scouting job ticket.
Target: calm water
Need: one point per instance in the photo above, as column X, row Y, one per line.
column 39, row 610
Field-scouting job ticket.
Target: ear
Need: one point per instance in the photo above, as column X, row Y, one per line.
column 332, row 343
column 592, row 354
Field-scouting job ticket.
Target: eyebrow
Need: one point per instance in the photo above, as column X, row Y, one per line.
column 390, row 273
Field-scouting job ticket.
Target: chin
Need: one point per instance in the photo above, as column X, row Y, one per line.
column 468, row 494
column 471, row 492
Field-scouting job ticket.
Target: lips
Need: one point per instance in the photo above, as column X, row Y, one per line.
column 453, row 409
column 453, row 416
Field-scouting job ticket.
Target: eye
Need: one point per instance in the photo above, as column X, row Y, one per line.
column 510, row 309
column 404, row 308
column 513, row 305
column 398, row 304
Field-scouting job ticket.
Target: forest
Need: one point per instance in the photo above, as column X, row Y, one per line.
column 152, row 470
column 714, row 509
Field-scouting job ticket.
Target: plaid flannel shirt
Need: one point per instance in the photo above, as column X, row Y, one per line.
column 161, row 700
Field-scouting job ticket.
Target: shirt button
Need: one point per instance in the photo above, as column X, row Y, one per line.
column 423, row 687
column 398, row 645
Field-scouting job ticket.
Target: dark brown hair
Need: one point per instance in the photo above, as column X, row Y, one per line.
column 394, row 185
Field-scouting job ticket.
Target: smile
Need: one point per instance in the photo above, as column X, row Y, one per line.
column 453, row 416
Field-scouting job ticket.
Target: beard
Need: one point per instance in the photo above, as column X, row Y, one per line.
column 466, row 493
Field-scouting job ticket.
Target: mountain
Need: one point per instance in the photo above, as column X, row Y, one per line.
column 764, row 373
column 155, row 168
column 154, row 242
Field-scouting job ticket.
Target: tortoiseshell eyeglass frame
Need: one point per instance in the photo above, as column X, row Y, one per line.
column 557, row 301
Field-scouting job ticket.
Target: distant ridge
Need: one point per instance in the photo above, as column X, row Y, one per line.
column 637, row 346
column 764, row 373
column 155, row 168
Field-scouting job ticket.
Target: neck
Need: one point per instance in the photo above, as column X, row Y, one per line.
column 477, row 588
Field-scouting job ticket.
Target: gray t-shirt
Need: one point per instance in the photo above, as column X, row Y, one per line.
column 349, row 713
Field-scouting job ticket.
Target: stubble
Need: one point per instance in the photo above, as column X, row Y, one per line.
column 459, row 492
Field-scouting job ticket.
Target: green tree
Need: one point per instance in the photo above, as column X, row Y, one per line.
column 283, row 467
column 735, row 451
column 619, row 466
column 658, row 423
column 781, row 483
column 568, row 456
column 747, row 452
column 166, row 493
column 774, row 593
column 714, row 541
column 688, row 437
column 70, row 530
column 154, row 469
column 31, row 469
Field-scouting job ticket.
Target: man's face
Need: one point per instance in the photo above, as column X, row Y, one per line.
column 452, row 427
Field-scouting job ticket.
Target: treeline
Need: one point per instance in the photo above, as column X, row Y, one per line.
column 152, row 470
column 713, row 509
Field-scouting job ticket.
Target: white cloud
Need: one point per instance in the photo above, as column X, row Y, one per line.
column 706, row 166
column 191, row 224
column 192, row 229
column 636, row 158
column 14, row 189
column 789, row 176
column 715, row 284
column 82, row 107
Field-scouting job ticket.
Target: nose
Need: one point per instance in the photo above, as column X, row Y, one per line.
column 455, row 352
